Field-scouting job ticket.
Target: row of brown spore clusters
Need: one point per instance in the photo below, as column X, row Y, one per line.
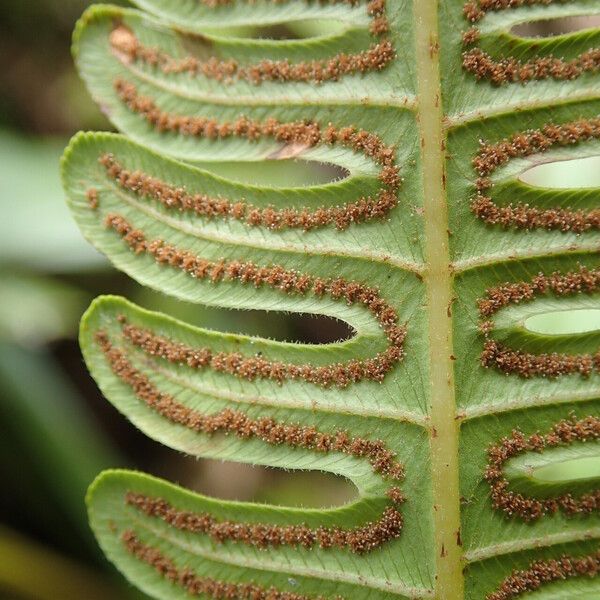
column 564, row 433
column 259, row 367
column 360, row 540
column 526, row 143
column 583, row 280
column 513, row 70
column 128, row 48
column 276, row 277
column 491, row 156
column 474, row 10
column 527, row 364
column 381, row 459
column 207, row 587
column 509, row 361
column 541, row 572
column 301, row 133
column 178, row 198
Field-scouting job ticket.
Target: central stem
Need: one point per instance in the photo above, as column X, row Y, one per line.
column 438, row 278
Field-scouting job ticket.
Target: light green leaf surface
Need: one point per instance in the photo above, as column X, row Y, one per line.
column 186, row 202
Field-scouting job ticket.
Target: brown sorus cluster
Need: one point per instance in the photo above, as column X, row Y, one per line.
column 564, row 433
column 530, row 365
column 471, row 36
column 359, row 540
column 526, row 143
column 541, row 572
column 510, row 69
column 583, row 281
column 178, row 198
column 300, row 133
column 375, row 58
column 524, row 216
column 474, row 10
column 276, row 277
column 258, row 367
column 208, row 587
column 92, row 198
column 492, row 156
column 234, row 422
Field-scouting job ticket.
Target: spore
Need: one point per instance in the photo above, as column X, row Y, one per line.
column 527, row 365
column 492, row 156
column 129, row 49
column 542, row 572
column 194, row 585
column 528, row 508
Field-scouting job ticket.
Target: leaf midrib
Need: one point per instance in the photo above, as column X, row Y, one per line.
column 444, row 430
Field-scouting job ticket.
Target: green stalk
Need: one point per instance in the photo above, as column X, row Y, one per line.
column 438, row 278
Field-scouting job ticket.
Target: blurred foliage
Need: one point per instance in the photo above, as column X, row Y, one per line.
column 35, row 310
column 39, row 573
column 41, row 92
column 40, row 233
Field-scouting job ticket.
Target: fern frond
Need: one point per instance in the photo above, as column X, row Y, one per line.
column 470, row 435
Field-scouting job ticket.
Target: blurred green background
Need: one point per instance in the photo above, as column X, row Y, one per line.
column 57, row 431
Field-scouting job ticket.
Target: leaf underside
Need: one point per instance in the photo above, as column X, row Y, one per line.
column 444, row 407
